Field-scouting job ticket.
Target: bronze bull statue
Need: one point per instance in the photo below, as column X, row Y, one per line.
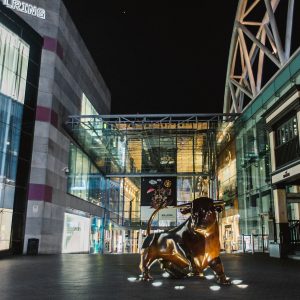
column 191, row 247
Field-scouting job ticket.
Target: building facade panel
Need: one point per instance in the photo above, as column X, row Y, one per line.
column 20, row 53
column 67, row 71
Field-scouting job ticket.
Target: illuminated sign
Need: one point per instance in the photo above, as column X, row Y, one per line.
column 25, row 8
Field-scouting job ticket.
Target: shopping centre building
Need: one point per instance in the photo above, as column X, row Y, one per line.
column 75, row 179
column 57, row 77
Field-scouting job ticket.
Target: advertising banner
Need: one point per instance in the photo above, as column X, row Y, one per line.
column 155, row 192
column 76, row 236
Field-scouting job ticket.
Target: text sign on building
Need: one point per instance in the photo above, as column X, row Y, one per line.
column 25, row 8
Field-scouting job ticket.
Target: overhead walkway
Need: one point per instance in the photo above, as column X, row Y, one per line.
column 147, row 145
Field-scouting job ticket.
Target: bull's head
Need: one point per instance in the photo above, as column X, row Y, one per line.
column 203, row 212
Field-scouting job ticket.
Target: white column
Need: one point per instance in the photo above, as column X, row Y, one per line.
column 279, row 197
column 298, row 122
column 272, row 150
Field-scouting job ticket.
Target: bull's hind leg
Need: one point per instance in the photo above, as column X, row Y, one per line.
column 217, row 267
column 146, row 261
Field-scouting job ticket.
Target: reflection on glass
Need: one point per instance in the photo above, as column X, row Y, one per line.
column 14, row 54
column 253, row 182
column 84, row 180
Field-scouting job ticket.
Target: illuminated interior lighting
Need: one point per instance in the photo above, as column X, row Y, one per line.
column 179, row 287
column 215, row 288
column 236, row 281
column 157, row 283
column 209, row 277
column 166, row 275
column 131, row 279
column 242, row 286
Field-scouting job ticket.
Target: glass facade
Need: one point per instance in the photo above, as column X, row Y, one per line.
column 97, row 235
column 14, row 55
column 84, row 179
column 147, row 147
column 130, row 151
column 188, row 189
column 253, row 177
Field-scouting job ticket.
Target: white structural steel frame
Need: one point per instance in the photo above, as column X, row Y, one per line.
column 245, row 64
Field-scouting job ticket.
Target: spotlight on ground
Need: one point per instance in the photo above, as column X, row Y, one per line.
column 215, row 288
column 131, row 279
column 179, row 287
column 157, row 283
column 236, row 281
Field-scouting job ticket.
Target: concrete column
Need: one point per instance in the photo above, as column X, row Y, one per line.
column 272, row 150
column 282, row 229
column 280, row 208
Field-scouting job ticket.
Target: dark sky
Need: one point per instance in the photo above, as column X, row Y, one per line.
column 159, row 58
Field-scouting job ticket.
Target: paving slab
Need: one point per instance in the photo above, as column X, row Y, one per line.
column 83, row 276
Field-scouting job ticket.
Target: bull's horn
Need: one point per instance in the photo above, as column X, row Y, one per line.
column 218, row 202
column 183, row 205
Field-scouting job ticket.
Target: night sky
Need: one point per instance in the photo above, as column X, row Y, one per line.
column 159, row 58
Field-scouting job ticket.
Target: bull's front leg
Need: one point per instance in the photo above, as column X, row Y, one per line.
column 197, row 267
column 217, row 266
column 146, row 261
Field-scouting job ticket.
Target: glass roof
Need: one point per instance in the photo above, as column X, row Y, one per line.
column 147, row 145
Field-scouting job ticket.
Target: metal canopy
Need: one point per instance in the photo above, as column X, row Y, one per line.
column 147, row 145
column 257, row 49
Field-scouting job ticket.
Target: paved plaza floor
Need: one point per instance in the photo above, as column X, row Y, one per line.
column 82, row 276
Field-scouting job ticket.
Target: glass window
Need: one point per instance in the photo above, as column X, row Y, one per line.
column 87, row 107
column 287, row 131
column 14, row 57
column 84, row 179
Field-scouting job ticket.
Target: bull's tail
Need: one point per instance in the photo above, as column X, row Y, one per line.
column 151, row 219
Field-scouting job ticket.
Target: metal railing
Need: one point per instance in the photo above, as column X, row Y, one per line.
column 294, row 227
column 254, row 243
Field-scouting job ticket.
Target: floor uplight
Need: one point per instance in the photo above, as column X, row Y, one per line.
column 179, row 287
column 236, row 281
column 157, row 283
column 131, row 279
